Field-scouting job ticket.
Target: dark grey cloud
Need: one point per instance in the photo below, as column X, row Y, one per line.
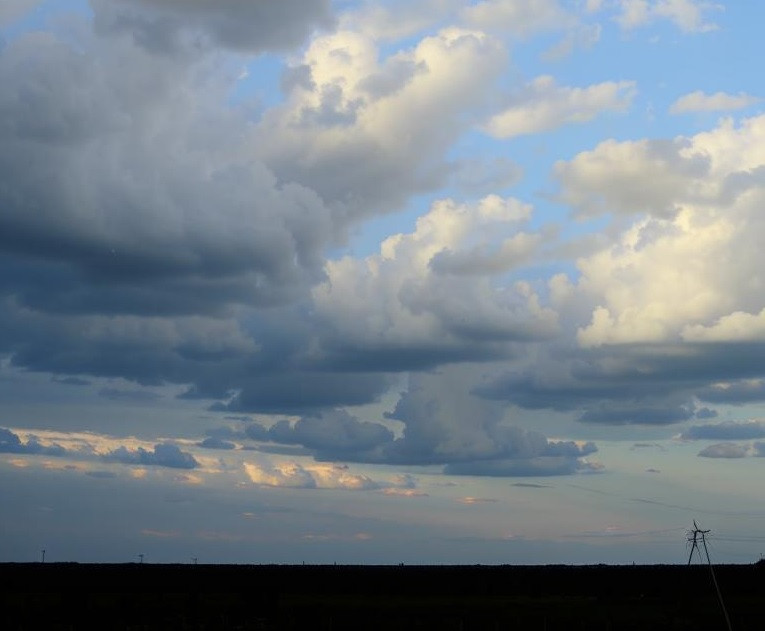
column 148, row 223
column 144, row 233
column 216, row 443
column 248, row 25
column 729, row 430
column 226, row 433
column 631, row 384
column 162, row 455
column 299, row 391
column 134, row 395
column 614, row 415
column 704, row 413
column 72, row 381
column 441, row 427
column 333, row 435
column 329, row 435
column 11, row 443
column 734, row 393
column 725, row 450
column 445, row 424
column 168, row 224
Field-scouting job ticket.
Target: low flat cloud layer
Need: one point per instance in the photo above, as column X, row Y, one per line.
column 730, row 430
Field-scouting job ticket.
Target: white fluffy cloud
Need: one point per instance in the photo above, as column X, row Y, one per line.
column 398, row 18
column 518, row 17
column 291, row 474
column 543, row 106
column 734, row 327
column 432, row 290
column 719, row 101
column 693, row 272
column 353, row 122
column 688, row 15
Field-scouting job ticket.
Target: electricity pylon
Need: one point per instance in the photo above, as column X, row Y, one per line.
column 693, row 537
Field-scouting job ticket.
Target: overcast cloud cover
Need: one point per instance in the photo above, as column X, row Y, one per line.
column 330, row 269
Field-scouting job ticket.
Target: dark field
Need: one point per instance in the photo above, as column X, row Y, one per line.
column 133, row 596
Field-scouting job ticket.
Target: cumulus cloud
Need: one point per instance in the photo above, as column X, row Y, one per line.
column 738, row 326
column 176, row 213
column 543, row 106
column 288, row 474
column 360, row 122
column 729, row 430
column 698, row 101
column 148, row 222
column 162, row 455
column 688, row 15
column 333, row 435
column 396, row 19
column 445, row 423
column 11, row 443
column 670, row 275
column 428, row 297
column 149, row 227
column 611, row 178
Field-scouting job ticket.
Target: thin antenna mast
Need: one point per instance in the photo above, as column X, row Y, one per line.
column 695, row 546
column 43, row 555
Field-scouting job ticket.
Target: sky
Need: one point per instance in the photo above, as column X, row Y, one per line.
column 364, row 281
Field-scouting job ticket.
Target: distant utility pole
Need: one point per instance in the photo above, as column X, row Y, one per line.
column 43, row 555
column 140, row 558
column 194, row 560
column 693, row 538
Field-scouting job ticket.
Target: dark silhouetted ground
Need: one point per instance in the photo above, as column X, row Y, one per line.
column 148, row 597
